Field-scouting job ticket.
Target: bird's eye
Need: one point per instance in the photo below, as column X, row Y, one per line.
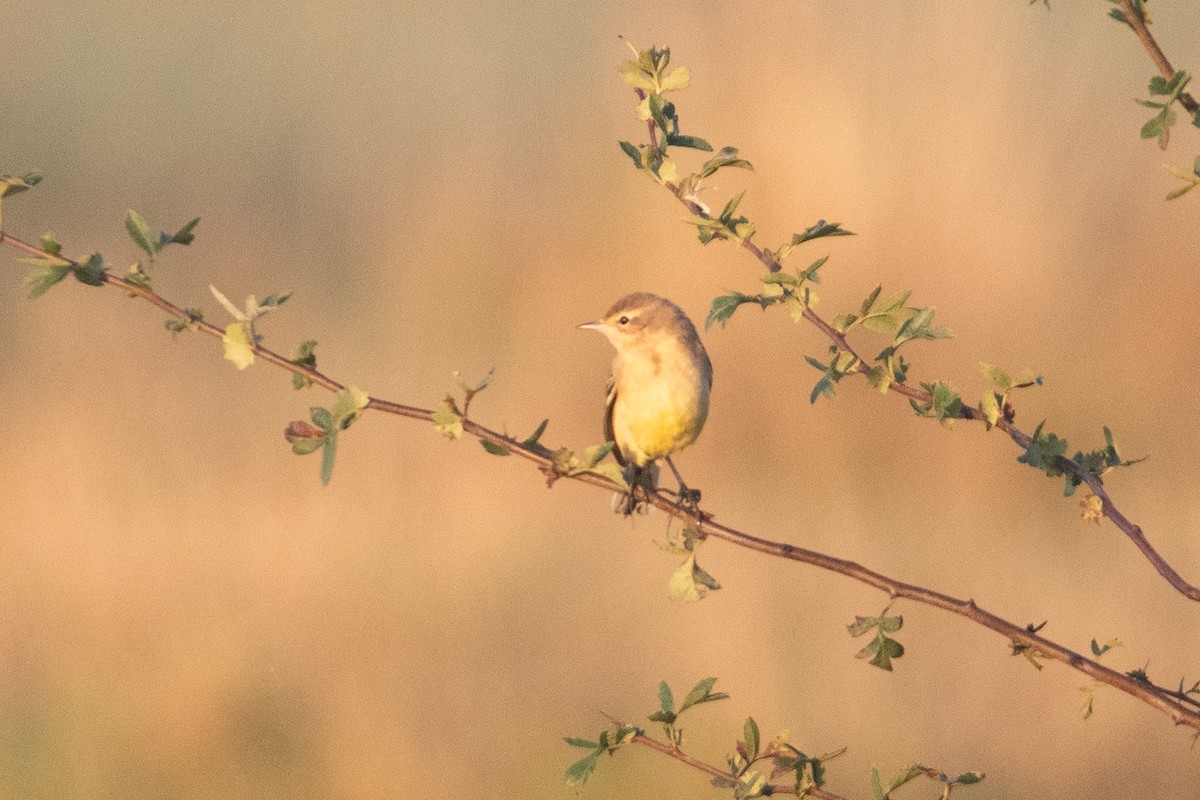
column 624, row 320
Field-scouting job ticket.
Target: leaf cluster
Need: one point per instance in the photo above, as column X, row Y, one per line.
column 1159, row 126
column 753, row 765
column 795, row 289
column 1047, row 452
column 882, row 648
column 689, row 582
column 529, row 443
column 805, row 772
column 647, row 74
column 15, row 184
column 609, row 741
column 994, row 404
column 326, row 424
column 447, row 418
column 305, row 357
column 49, row 269
column 240, row 336
column 915, row 771
column 1139, row 8
column 668, row 715
column 565, row 463
column 142, row 234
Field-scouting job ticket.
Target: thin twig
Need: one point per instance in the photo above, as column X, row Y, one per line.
column 1135, row 20
column 716, row 772
column 1043, row 647
column 1065, row 465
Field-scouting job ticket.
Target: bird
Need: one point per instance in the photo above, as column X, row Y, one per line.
column 659, row 393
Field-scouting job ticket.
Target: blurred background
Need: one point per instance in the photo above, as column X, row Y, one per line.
column 188, row 613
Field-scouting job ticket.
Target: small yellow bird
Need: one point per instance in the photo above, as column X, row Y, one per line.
column 658, row 396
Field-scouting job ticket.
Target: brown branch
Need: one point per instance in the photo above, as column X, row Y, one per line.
column 716, row 772
column 1023, row 439
column 1148, row 694
column 1135, row 20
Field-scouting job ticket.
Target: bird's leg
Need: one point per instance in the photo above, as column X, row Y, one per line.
column 644, row 477
column 687, row 497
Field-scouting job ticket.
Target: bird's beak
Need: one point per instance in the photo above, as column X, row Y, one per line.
column 593, row 326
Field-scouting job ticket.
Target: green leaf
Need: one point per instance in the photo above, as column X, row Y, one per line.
column 997, row 376
column 532, row 439
column 684, row 586
column 637, row 76
column 882, row 649
column 842, row 322
column 906, row 775
column 947, row 405
column 750, row 784
column 880, row 377
column 1043, row 451
column 1158, row 126
column 656, row 106
column 274, row 300
column 303, row 447
column 751, row 736
column 725, row 157
column 919, row 326
column 724, row 305
column 92, row 271
column 349, row 403
column 587, row 744
column 1182, row 190
column 50, row 244
column 886, row 317
column 869, row 302
column 633, row 153
column 701, row 693
column 782, row 278
column 678, row 79
column 967, row 778
column 578, row 773
column 141, row 233
column 40, row 279
column 184, row 235
column 322, row 418
column 732, row 205
column 494, row 449
column 694, row 142
column 304, row 357
column 1177, row 84
column 12, row 184
column 666, row 700
column 327, row 457
column 820, row 229
column 823, row 388
column 593, row 454
column 989, row 407
column 810, row 274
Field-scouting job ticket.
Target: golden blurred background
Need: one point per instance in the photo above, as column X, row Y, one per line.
column 187, row 613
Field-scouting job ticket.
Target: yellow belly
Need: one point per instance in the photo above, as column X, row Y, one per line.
column 658, row 409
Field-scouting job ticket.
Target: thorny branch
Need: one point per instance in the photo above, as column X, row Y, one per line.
column 1025, row 638
column 1137, row 22
column 1066, row 465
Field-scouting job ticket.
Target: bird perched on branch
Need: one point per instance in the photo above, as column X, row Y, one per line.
column 658, row 396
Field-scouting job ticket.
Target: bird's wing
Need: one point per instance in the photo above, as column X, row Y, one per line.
column 609, row 436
